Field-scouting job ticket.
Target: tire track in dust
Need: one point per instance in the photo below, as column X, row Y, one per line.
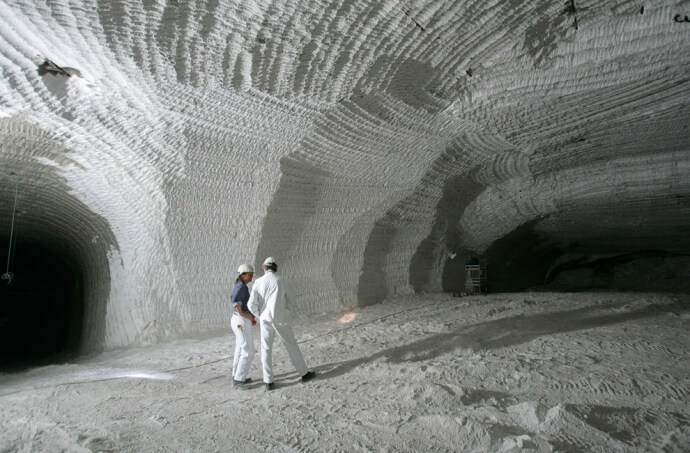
column 679, row 390
column 632, row 426
column 643, row 346
column 612, row 389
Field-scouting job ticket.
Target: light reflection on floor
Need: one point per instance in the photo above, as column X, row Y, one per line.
column 140, row 375
column 347, row 318
column 21, row 383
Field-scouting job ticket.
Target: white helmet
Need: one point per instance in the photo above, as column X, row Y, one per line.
column 269, row 260
column 245, row 269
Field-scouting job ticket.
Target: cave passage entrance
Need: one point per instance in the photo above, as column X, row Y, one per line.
column 526, row 260
column 42, row 307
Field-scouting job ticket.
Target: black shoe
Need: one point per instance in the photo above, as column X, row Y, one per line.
column 240, row 385
column 270, row 386
column 248, row 380
column 308, row 376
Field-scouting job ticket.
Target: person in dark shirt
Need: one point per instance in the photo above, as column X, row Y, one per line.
column 241, row 322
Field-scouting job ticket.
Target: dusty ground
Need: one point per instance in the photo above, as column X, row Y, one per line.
column 505, row 372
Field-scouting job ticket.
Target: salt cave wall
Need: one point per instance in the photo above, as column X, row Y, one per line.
column 357, row 142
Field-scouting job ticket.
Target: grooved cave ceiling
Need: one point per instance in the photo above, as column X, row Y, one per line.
column 160, row 143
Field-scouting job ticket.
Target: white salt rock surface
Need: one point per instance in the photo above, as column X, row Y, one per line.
column 194, row 136
column 509, row 372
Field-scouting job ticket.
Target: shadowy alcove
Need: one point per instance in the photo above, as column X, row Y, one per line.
column 42, row 307
column 520, row 260
column 526, row 259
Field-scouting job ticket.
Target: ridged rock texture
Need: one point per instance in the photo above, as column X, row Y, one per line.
column 155, row 145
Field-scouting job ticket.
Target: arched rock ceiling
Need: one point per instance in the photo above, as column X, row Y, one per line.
column 356, row 141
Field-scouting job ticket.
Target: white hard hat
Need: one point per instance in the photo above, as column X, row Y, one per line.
column 245, row 268
column 269, row 260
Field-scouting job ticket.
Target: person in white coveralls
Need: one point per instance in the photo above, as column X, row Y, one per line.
column 241, row 322
column 270, row 301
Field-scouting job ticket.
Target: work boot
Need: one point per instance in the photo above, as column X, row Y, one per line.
column 308, row 376
column 242, row 385
column 248, row 380
column 270, row 386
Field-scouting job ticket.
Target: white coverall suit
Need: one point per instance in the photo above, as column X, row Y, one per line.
column 269, row 301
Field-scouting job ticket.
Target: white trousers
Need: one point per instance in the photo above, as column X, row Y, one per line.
column 244, row 346
column 284, row 331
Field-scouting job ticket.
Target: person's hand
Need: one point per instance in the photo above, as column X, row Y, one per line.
column 253, row 320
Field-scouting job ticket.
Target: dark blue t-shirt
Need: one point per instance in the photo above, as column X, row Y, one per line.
column 240, row 295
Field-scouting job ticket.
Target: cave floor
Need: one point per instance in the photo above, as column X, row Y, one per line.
column 500, row 372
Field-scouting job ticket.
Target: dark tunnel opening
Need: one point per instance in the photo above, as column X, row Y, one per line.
column 520, row 260
column 42, row 306
column 528, row 260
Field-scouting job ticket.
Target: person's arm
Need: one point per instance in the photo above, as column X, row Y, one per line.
column 254, row 304
column 234, row 295
column 243, row 295
column 244, row 314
